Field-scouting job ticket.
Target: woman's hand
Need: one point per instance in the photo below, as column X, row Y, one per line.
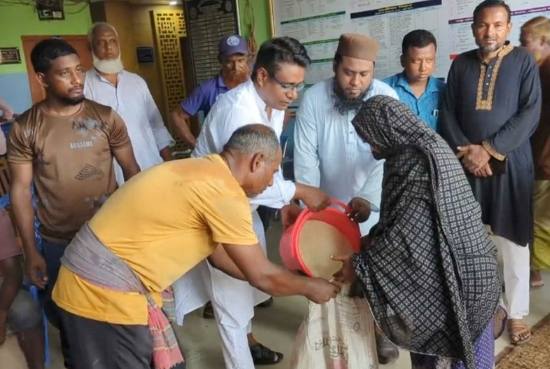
column 359, row 210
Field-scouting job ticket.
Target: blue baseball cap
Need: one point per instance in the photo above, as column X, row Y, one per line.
column 233, row 44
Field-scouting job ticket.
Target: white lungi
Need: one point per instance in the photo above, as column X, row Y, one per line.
column 514, row 268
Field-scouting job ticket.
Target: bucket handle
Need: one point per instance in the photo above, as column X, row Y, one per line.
column 344, row 206
column 301, row 217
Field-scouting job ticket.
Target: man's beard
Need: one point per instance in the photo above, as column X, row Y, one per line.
column 490, row 49
column 344, row 104
column 108, row 66
column 72, row 100
column 234, row 79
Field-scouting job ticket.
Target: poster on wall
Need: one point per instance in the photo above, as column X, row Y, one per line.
column 9, row 55
column 319, row 23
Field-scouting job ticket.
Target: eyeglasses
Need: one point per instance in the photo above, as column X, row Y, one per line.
column 287, row 87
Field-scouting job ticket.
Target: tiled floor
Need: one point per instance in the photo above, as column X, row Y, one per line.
column 274, row 326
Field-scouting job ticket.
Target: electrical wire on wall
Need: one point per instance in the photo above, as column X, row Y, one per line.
column 74, row 3
column 17, row 2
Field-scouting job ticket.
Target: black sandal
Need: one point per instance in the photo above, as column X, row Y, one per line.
column 262, row 355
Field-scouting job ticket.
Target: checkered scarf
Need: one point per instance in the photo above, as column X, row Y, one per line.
column 430, row 274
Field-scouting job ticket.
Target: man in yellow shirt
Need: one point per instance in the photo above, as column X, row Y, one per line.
column 154, row 229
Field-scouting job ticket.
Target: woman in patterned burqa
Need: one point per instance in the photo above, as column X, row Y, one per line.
column 428, row 268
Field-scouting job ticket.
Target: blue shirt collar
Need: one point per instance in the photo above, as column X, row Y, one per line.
column 219, row 82
column 402, row 82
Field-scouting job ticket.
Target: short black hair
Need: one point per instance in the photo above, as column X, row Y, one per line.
column 491, row 4
column 417, row 38
column 280, row 50
column 47, row 51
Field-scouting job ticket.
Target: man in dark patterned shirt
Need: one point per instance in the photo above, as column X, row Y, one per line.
column 491, row 108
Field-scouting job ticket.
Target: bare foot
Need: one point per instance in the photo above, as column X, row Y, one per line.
column 536, row 279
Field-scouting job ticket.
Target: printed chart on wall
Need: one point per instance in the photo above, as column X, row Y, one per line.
column 319, row 23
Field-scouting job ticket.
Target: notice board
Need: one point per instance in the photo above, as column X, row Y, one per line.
column 319, row 23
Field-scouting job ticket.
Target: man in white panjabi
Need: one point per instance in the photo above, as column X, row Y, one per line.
column 127, row 93
column 277, row 77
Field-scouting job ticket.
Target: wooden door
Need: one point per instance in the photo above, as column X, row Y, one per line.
column 79, row 42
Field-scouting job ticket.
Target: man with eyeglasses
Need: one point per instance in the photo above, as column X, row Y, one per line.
column 329, row 154
column 277, row 77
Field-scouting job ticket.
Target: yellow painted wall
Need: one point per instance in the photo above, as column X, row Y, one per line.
column 144, row 36
column 134, row 25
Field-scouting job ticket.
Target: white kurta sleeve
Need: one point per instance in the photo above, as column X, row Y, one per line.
column 225, row 118
column 306, row 155
column 219, row 125
column 160, row 132
column 278, row 194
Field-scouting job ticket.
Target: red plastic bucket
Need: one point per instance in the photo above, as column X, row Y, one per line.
column 289, row 244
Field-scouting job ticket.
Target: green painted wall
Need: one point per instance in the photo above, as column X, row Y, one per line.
column 261, row 17
column 19, row 20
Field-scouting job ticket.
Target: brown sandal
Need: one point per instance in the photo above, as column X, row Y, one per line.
column 519, row 331
column 499, row 320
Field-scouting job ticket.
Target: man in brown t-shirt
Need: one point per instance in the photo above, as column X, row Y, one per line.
column 65, row 146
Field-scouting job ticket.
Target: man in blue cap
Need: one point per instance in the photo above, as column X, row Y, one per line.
column 233, row 57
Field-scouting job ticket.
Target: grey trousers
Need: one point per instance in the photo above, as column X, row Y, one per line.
column 101, row 345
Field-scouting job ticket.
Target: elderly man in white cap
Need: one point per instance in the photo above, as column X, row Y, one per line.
column 328, row 153
column 127, row 93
